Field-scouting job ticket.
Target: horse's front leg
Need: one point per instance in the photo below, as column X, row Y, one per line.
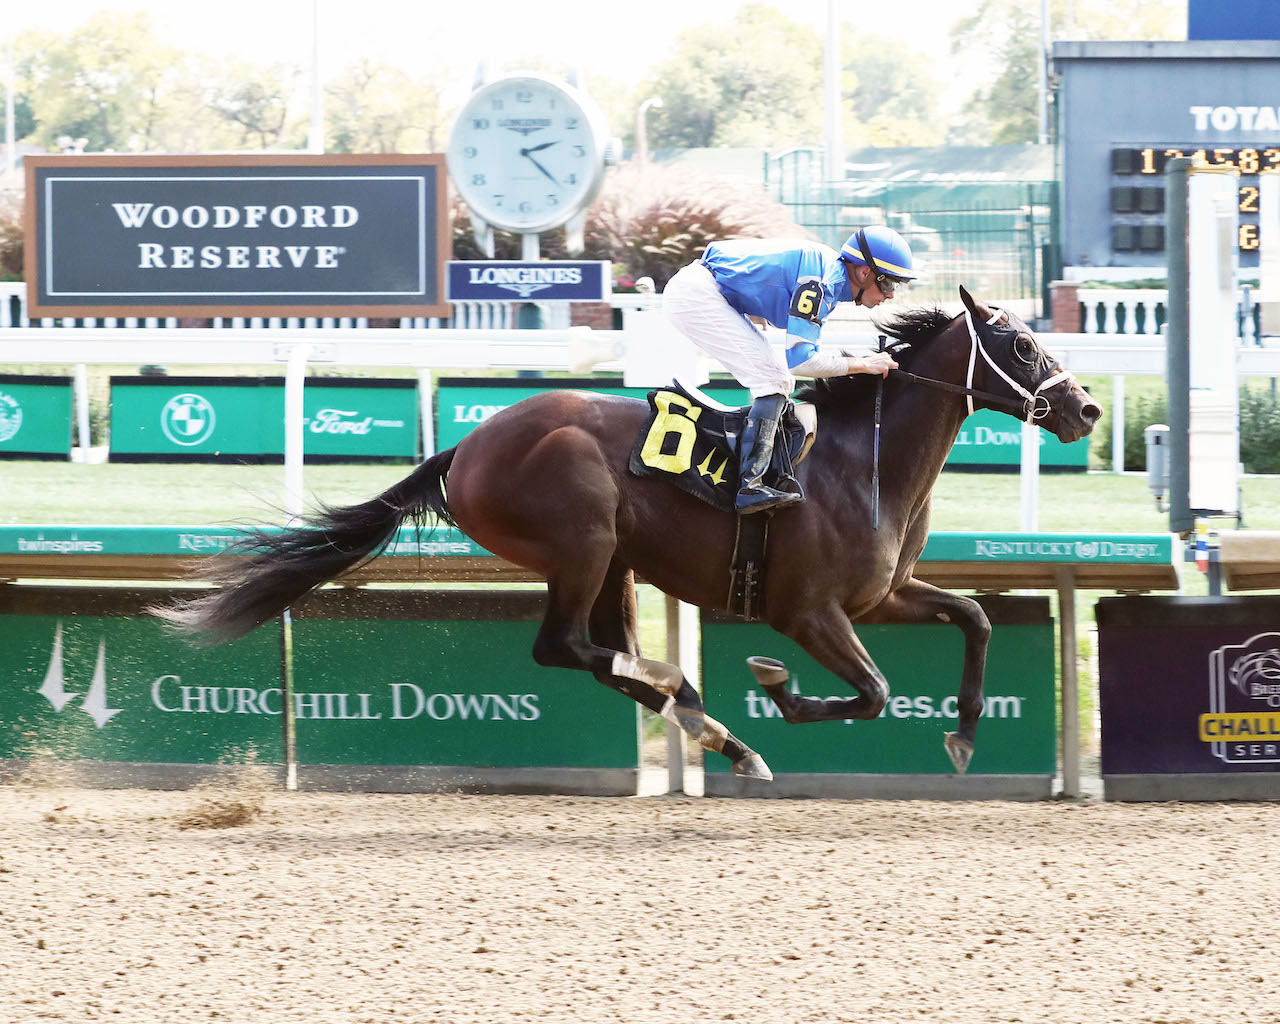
column 826, row 634
column 919, row 602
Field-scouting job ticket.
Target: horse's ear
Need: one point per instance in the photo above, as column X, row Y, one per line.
column 973, row 305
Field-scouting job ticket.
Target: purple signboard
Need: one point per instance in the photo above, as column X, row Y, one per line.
column 1189, row 686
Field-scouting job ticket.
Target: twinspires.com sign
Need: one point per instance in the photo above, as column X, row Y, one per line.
column 236, row 235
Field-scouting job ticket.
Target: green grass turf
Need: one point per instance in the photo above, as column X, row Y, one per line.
column 122, row 494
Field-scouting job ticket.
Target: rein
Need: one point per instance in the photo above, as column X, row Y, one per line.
column 960, row 389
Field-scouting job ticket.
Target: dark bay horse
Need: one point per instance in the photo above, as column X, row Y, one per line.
column 545, row 484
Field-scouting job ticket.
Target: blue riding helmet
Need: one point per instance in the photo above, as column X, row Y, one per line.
column 881, row 248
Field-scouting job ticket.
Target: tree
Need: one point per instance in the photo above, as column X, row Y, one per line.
column 375, row 108
column 255, row 101
column 755, row 82
column 111, row 82
column 1007, row 110
column 891, row 98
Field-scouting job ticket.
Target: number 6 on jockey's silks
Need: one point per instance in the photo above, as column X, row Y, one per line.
column 676, row 415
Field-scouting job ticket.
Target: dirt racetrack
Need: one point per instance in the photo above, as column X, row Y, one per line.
column 329, row 909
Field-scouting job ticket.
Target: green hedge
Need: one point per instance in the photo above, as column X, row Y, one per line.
column 1259, row 428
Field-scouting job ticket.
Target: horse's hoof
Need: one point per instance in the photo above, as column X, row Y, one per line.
column 752, row 767
column 960, row 751
column 768, row 671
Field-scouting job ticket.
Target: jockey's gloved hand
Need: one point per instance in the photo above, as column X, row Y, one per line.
column 874, row 362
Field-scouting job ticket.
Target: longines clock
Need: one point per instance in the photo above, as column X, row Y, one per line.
column 527, row 153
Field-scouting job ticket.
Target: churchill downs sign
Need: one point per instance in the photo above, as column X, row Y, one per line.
column 242, row 235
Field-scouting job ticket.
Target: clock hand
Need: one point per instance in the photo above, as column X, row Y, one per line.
column 535, row 163
column 535, row 149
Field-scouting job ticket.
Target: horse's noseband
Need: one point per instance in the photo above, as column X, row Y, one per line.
column 1036, row 405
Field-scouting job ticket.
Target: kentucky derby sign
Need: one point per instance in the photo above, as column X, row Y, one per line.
column 539, row 280
column 295, row 235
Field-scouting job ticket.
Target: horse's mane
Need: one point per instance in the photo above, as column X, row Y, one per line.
column 916, row 327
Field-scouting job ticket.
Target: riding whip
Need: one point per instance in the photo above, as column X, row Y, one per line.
column 875, row 449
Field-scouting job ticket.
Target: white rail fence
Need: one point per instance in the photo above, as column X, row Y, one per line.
column 1142, row 311
column 486, row 339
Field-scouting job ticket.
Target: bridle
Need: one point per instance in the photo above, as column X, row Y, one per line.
column 1034, row 405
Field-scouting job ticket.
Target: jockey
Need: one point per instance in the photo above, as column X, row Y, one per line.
column 792, row 284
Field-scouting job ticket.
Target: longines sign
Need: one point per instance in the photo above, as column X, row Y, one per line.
column 272, row 235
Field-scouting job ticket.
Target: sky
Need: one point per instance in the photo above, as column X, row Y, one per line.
column 622, row 44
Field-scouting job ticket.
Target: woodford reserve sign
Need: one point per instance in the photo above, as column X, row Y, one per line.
column 276, row 235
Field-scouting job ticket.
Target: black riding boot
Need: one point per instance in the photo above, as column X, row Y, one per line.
column 754, row 451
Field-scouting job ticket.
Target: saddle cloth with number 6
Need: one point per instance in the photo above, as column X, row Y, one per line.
column 692, row 441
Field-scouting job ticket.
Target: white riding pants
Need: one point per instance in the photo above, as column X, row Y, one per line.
column 695, row 307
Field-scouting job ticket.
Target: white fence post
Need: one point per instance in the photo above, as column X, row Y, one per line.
column 82, row 409
column 294, row 377
column 1117, row 423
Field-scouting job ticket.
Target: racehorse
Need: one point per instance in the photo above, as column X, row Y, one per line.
column 545, row 484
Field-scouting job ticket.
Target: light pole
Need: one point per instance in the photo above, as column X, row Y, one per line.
column 642, row 142
column 1044, row 72
column 315, row 133
column 11, row 148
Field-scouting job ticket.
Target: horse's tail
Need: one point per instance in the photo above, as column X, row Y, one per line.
column 262, row 575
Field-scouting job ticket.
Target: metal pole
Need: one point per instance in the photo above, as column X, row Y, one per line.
column 831, row 80
column 288, row 712
column 294, row 376
column 426, row 411
column 1178, row 346
column 315, row 137
column 1044, row 72
column 82, row 409
column 10, row 142
column 676, row 742
column 1029, row 477
column 1070, row 685
column 1117, row 424
column 642, row 138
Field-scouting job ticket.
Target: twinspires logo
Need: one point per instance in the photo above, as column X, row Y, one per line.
column 10, row 416
column 187, row 419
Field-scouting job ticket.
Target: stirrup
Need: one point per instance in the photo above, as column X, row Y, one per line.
column 763, row 498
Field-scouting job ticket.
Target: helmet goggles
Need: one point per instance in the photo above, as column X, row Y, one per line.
column 887, row 283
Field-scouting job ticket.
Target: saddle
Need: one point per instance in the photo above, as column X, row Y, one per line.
column 692, row 441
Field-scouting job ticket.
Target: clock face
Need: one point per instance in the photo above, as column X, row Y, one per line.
column 525, row 153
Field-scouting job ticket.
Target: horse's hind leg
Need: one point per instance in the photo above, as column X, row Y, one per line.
column 610, row 653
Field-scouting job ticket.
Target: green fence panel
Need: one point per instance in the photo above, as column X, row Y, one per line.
column 446, row 678
column 463, row 403
column 211, row 418
column 1016, row 736
column 86, row 675
column 993, row 440
column 35, row 416
column 988, row 439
